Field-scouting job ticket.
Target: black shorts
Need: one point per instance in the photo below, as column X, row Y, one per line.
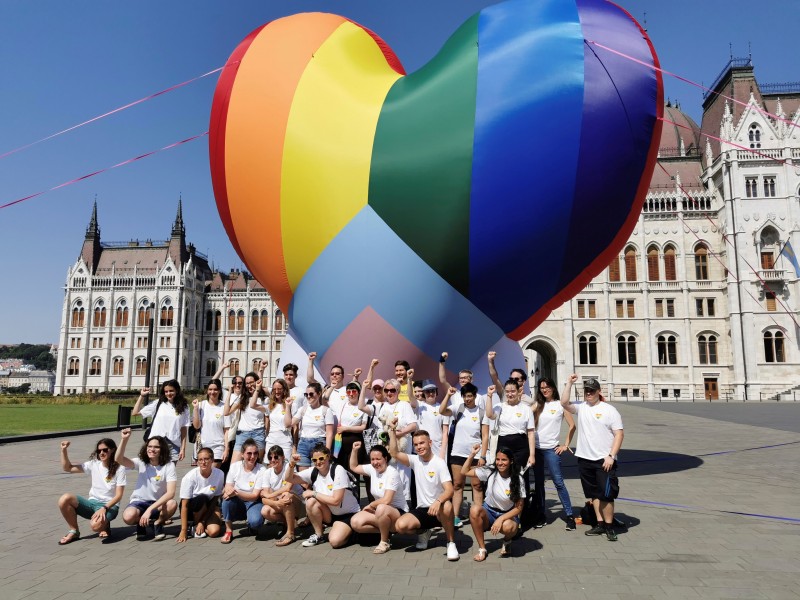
column 199, row 502
column 596, row 482
column 345, row 518
column 426, row 521
column 457, row 460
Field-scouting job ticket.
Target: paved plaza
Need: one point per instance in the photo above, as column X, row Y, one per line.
column 710, row 494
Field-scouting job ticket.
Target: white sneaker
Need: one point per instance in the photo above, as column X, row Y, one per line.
column 423, row 539
column 452, row 551
column 313, row 540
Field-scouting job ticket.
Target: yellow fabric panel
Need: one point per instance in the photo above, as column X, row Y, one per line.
column 328, row 146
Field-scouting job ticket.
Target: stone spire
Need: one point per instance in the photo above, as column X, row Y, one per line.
column 177, row 240
column 91, row 243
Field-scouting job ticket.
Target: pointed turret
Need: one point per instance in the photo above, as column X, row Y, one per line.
column 177, row 240
column 91, row 243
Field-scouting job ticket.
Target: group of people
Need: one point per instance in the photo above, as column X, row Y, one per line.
column 292, row 457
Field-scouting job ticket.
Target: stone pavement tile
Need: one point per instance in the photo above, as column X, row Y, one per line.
column 62, row 586
column 781, row 593
column 437, row 592
column 200, row 594
column 43, row 595
column 313, row 587
column 348, row 588
column 260, row 595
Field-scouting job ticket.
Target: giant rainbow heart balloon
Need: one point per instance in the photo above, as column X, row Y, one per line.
column 396, row 215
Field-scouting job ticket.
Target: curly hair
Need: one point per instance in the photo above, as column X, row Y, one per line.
column 164, row 455
column 539, row 397
column 514, row 473
column 179, row 402
column 112, row 465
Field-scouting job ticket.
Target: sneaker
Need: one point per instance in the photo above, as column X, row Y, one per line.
column 141, row 533
column 457, row 522
column 313, row 540
column 423, row 539
column 596, row 530
column 539, row 524
column 452, row 551
column 158, row 529
column 611, row 535
column 570, row 523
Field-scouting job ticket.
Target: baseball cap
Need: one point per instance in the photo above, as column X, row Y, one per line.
column 377, row 383
column 591, row 384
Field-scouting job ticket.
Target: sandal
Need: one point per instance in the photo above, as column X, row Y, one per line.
column 382, row 548
column 72, row 535
column 286, row 540
column 103, row 535
column 504, row 548
column 481, row 555
column 227, row 537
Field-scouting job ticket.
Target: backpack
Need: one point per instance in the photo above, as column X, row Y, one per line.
column 352, row 480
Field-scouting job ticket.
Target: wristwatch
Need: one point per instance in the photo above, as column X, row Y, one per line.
column 612, row 457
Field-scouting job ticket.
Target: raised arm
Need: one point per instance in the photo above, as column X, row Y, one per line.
column 362, row 396
column 254, row 399
column 412, row 400
column 401, row 457
column 371, row 371
column 354, row 466
column 221, row 370
column 357, row 375
column 120, row 457
column 443, row 369
column 467, row 469
column 66, row 465
column 196, row 413
column 310, row 371
column 143, row 394
column 493, row 372
column 288, row 420
column 490, row 403
column 565, row 395
column 444, row 408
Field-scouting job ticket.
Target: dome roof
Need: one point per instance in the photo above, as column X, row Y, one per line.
column 685, row 130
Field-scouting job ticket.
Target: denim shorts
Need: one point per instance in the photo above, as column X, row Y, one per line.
column 494, row 513
column 87, row 507
column 304, row 448
column 258, row 435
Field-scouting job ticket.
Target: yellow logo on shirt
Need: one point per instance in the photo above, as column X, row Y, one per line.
column 108, row 479
column 508, row 492
column 380, row 486
column 431, row 474
column 157, row 478
column 355, row 415
column 218, row 416
column 252, row 484
column 213, row 488
column 436, row 413
column 598, row 415
column 552, row 412
column 474, row 418
column 519, row 415
column 330, row 487
column 316, row 417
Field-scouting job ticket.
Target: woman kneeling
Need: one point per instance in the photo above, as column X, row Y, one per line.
column 502, row 505
column 201, row 489
column 281, row 499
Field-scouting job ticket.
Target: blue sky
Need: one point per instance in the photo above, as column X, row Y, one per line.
column 65, row 62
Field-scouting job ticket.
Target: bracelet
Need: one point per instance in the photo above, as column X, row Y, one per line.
column 482, row 458
column 442, row 359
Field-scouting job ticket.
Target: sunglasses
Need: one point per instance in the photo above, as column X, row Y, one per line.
column 103, row 450
column 318, row 461
column 516, row 378
column 351, row 391
column 337, row 374
column 310, row 395
column 274, row 457
column 390, row 390
column 204, row 460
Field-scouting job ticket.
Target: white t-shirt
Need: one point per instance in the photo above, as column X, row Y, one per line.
column 279, row 434
column 152, row 481
column 548, row 432
column 349, row 415
column 314, row 421
column 244, row 480
column 380, row 483
column 166, row 422
column 432, row 421
column 231, row 400
column 212, row 427
column 596, row 426
column 498, row 494
column 327, row 485
column 480, row 400
column 513, row 419
column 251, row 419
column 270, row 480
column 104, row 488
column 337, row 398
column 194, row 484
column 468, row 430
column 429, row 477
column 402, row 410
column 299, row 400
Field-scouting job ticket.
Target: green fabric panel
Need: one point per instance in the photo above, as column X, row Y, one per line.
column 421, row 167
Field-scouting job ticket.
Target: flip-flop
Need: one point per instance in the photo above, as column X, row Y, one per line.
column 481, row 555
column 72, row 535
column 103, row 535
column 504, row 548
column 227, row 537
column 286, row 540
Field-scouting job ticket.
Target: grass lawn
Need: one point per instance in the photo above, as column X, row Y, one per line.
column 19, row 419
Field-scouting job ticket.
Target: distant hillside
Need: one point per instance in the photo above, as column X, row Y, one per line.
column 35, row 354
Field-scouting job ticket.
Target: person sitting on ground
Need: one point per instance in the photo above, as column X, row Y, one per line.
column 108, row 484
column 153, row 498
column 329, row 498
column 201, row 489
column 282, row 502
column 505, row 494
column 388, row 500
column 242, row 496
column 434, row 488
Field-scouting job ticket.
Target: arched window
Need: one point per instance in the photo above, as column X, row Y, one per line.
column 197, row 315
column 211, row 367
column 121, row 314
column 141, row 366
column 256, row 364
column 667, row 350
column 626, row 349
column 264, row 320
column 74, row 366
column 707, row 349
column 217, row 320
column 163, row 366
column 754, row 136
column 96, row 366
column 773, row 347
column 119, row 366
column 587, row 350
column 234, row 368
column 770, row 242
column 231, row 320
column 613, row 269
column 240, row 321
column 254, row 321
column 167, row 314
column 142, row 315
column 701, row 262
column 670, row 273
column 278, row 320
column 99, row 319
column 630, row 264
column 78, row 315
column 209, row 320
column 652, row 263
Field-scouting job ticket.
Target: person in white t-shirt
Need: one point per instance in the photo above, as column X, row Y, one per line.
column 600, row 436
column 250, row 420
column 153, row 498
column 314, row 423
column 241, row 498
column 170, row 416
column 465, row 376
column 549, row 415
column 208, row 417
column 329, row 498
column 431, row 419
column 334, row 393
column 282, row 501
column 201, row 489
column 276, row 417
column 108, row 484
column 517, row 375
column 388, row 500
column 434, row 488
column 505, row 495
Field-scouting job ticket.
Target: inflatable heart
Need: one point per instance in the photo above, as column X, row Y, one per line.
column 397, row 215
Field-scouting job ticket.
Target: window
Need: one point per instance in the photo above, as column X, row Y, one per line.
column 710, row 310
column 613, row 269
column 95, row 366
column 231, row 320
column 587, row 350
column 208, row 345
column 277, row 345
column 240, row 320
column 630, row 264
column 652, row 263
column 217, row 320
column 119, row 365
column 121, row 315
column 667, row 350
column 626, row 349
column 767, row 259
column 278, row 320
column 234, row 368
column 163, row 366
column 254, row 321
column 141, row 342
column 587, row 308
column 99, row 319
column 704, row 307
column 74, row 366
column 209, row 320
column 119, row 342
column 216, row 345
column 211, row 367
column 772, row 304
column 670, row 274
column 665, row 307
column 751, row 187
column 238, row 344
column 701, row 263
column 263, row 344
column 167, row 315
column 769, row 187
column 253, row 345
column 256, row 365
column 754, row 135
column 625, row 308
column 773, row 347
column 230, row 344
column 78, row 315
column 97, row 342
column 707, row 349
column 141, row 366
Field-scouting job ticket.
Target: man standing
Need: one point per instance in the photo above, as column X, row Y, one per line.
column 600, row 437
column 434, row 491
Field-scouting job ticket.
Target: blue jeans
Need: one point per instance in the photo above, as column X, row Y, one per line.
column 305, row 447
column 548, row 457
column 236, row 509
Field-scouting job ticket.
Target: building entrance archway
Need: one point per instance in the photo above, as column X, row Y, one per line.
column 541, row 358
